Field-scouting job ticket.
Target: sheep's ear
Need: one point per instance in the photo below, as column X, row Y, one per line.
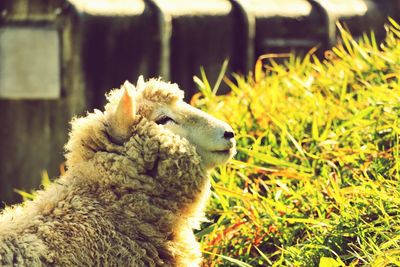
column 140, row 83
column 121, row 120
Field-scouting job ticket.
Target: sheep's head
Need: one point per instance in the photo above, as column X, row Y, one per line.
column 163, row 104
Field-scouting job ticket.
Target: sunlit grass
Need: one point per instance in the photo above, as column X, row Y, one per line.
column 316, row 178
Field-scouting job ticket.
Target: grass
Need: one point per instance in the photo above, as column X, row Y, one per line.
column 316, row 180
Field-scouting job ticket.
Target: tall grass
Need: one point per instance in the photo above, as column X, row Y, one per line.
column 316, row 178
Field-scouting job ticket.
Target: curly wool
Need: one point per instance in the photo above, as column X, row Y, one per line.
column 129, row 204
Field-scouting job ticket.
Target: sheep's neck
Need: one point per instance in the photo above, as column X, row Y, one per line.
column 164, row 223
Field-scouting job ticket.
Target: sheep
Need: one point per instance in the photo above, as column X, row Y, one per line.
column 135, row 187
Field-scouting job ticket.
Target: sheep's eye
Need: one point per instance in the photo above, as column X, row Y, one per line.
column 164, row 120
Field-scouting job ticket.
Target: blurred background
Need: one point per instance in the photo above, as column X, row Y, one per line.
column 59, row 57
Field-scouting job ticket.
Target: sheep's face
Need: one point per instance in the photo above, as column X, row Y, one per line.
column 213, row 139
column 162, row 103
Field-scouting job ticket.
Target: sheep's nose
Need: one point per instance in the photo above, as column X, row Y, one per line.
column 228, row 135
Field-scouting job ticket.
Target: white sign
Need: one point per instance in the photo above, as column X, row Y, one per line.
column 29, row 63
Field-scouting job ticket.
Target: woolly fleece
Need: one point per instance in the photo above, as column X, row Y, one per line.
column 129, row 203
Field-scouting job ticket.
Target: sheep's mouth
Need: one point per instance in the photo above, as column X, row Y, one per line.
column 227, row 151
column 212, row 158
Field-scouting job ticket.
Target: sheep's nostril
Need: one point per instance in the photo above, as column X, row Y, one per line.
column 228, row 135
